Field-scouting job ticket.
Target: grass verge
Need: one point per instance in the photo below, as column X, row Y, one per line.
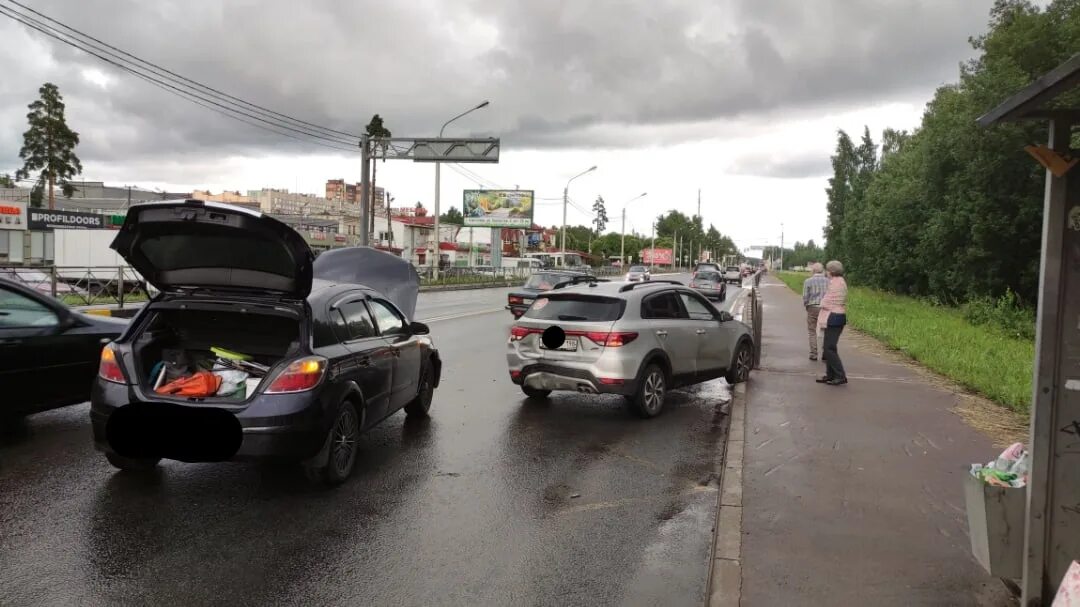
column 979, row 357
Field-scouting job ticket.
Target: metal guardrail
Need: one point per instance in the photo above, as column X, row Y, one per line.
column 82, row 285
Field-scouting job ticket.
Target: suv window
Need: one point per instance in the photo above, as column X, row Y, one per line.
column 388, row 321
column 357, row 320
column 21, row 311
column 584, row 308
column 697, row 309
column 662, row 305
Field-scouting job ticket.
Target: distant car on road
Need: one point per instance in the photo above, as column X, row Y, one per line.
column 326, row 345
column 48, row 352
column 638, row 274
column 710, row 284
column 733, row 275
column 639, row 340
column 518, row 301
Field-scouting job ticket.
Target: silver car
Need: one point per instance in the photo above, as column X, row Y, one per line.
column 638, row 340
column 638, row 274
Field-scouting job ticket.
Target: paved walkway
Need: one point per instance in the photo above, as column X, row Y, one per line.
column 852, row 495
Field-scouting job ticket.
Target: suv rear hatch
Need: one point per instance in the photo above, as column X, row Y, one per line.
column 588, row 322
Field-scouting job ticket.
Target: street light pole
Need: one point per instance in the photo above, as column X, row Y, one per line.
column 622, row 245
column 565, row 201
column 437, row 257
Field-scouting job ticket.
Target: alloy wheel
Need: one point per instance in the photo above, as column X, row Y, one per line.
column 654, row 391
column 743, row 363
column 344, row 441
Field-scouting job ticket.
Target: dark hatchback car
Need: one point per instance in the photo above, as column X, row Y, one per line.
column 518, row 301
column 48, row 352
column 326, row 357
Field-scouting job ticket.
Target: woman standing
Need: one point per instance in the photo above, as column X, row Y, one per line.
column 832, row 318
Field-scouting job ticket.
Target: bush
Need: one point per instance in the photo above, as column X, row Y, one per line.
column 1005, row 314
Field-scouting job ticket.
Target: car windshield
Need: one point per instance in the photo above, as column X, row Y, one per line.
column 585, row 308
column 639, row 269
column 545, row 281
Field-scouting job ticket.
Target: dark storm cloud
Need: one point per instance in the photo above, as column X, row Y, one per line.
column 559, row 74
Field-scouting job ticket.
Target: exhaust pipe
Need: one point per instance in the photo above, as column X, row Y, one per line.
column 586, row 389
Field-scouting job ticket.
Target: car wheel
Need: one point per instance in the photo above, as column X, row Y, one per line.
column 740, row 368
column 342, row 446
column 420, row 405
column 648, row 401
column 132, row 464
column 535, row 392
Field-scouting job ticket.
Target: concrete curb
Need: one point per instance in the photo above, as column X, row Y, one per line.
column 725, row 576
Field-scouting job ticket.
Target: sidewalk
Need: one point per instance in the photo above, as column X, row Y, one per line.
column 852, row 494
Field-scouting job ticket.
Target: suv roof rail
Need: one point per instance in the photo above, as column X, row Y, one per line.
column 578, row 280
column 634, row 285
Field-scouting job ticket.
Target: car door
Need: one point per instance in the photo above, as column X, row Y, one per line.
column 714, row 347
column 407, row 351
column 43, row 361
column 674, row 331
column 370, row 361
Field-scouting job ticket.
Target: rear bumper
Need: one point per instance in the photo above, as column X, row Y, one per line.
column 711, row 293
column 271, row 427
column 558, row 377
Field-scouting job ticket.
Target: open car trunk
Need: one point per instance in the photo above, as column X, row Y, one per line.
column 177, row 343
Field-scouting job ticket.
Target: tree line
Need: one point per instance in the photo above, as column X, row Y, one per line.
column 953, row 211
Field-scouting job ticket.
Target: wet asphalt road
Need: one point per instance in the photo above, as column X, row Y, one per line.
column 492, row 501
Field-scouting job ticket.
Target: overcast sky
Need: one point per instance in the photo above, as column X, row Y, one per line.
column 740, row 98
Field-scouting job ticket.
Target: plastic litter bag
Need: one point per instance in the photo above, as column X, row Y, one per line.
column 233, row 382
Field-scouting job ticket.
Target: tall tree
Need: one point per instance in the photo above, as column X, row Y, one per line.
column 452, row 216
column 844, row 165
column 49, row 145
column 600, row 218
column 6, row 181
column 375, row 128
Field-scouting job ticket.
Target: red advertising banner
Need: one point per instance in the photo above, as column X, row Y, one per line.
column 663, row 257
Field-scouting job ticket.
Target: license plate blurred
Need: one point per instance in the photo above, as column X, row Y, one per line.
column 569, row 345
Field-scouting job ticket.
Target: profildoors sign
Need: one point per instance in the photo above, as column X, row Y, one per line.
column 12, row 215
column 44, row 219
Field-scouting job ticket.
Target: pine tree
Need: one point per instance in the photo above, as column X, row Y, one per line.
column 49, row 145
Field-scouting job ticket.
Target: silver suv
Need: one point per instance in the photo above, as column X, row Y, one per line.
column 635, row 339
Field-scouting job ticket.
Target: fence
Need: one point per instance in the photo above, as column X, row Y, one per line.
column 82, row 285
column 756, row 317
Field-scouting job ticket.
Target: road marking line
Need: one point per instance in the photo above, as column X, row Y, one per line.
column 462, row 315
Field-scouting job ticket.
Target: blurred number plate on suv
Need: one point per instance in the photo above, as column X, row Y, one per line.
column 570, row 345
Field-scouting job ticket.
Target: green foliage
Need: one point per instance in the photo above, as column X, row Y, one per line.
column 375, row 128
column 953, row 211
column 977, row 356
column 1005, row 314
column 49, row 145
column 600, row 218
column 691, row 231
column 6, row 181
column 452, row 216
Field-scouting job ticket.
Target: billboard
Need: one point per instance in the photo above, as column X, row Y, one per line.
column 44, row 219
column 658, row 256
column 498, row 208
column 12, row 215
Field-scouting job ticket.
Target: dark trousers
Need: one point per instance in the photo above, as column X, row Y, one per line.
column 834, row 369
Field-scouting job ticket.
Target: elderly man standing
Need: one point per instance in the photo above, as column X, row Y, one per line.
column 812, row 291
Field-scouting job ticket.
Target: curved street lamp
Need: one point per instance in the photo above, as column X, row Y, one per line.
column 565, row 199
column 437, row 256
column 622, row 244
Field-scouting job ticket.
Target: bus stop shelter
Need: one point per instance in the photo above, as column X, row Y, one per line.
column 1052, row 528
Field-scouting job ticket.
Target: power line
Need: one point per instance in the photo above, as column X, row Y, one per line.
column 167, row 84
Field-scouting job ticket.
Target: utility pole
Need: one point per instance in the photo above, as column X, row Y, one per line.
column 365, row 184
column 674, row 247
column 652, row 255
column 781, row 246
column 622, row 245
column 699, row 205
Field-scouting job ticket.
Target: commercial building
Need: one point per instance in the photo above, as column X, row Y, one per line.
column 233, row 198
column 337, row 189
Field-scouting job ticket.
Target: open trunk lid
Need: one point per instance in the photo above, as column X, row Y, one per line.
column 192, row 243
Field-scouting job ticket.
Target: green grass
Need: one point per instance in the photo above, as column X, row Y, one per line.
column 93, row 300
column 980, row 357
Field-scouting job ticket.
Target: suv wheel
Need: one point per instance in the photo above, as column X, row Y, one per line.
column 648, row 401
column 740, row 368
column 133, row 464
column 535, row 392
column 419, row 406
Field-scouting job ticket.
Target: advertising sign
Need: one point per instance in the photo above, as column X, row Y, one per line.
column 12, row 215
column 44, row 219
column 657, row 256
column 534, row 239
column 498, row 208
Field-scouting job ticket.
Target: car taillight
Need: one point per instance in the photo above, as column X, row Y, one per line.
column 514, row 299
column 611, row 339
column 109, row 369
column 300, row 375
column 520, row 333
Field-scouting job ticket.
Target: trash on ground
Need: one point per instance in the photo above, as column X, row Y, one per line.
column 1010, row 469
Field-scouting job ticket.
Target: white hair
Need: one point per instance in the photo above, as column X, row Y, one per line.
column 835, row 268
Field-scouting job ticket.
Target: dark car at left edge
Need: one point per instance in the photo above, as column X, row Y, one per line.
column 48, row 352
column 307, row 353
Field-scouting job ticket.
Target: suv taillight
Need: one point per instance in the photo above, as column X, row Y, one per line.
column 301, row 375
column 519, row 333
column 612, row 339
column 109, row 368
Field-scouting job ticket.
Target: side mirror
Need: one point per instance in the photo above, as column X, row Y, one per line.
column 726, row 316
column 419, row 328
